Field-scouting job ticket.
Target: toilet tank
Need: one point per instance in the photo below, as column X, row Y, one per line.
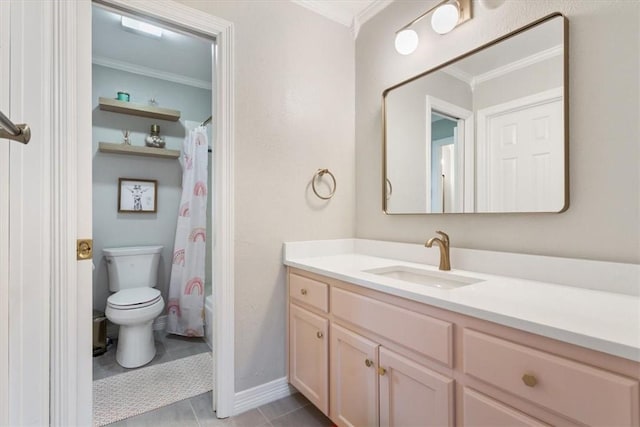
column 132, row 267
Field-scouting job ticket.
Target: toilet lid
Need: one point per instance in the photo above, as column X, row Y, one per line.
column 134, row 297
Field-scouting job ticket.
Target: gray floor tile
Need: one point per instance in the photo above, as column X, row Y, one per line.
column 179, row 414
column 283, row 406
column 193, row 349
column 207, row 418
column 307, row 416
column 202, row 406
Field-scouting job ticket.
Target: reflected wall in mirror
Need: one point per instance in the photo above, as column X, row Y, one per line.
column 485, row 132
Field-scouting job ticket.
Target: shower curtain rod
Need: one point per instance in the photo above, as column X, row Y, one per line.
column 206, row 121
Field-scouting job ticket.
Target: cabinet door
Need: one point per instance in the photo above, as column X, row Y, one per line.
column 309, row 356
column 413, row 395
column 482, row 411
column 354, row 380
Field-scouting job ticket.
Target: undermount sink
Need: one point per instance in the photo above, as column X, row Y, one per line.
column 434, row 279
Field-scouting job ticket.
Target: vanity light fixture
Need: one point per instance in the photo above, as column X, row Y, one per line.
column 141, row 27
column 447, row 15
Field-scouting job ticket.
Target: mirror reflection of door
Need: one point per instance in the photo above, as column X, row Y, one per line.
column 444, row 146
column 521, row 154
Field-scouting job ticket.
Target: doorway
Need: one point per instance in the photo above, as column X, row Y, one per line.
column 70, row 369
column 151, row 88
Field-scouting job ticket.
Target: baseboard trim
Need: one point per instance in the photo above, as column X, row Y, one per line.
column 262, row 394
column 160, row 324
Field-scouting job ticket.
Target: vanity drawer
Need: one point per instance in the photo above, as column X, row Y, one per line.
column 309, row 291
column 583, row 393
column 480, row 410
column 423, row 334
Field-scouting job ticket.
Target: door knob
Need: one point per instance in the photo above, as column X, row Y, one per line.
column 303, row 291
column 368, row 362
column 319, row 334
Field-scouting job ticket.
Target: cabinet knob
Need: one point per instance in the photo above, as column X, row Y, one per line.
column 529, row 380
column 381, row 371
column 319, row 334
column 368, row 362
column 303, row 291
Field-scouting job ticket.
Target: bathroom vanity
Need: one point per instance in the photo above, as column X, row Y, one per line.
column 375, row 339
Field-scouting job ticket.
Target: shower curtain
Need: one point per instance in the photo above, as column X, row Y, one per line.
column 186, row 286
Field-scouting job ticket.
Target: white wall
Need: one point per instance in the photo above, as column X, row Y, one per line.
column 603, row 218
column 111, row 228
column 294, row 100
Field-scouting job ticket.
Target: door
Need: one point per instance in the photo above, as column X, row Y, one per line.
column 525, row 156
column 309, row 356
column 413, row 395
column 354, row 380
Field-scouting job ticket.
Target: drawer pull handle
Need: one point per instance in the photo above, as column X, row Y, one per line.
column 381, row 371
column 529, row 380
column 303, row 291
column 368, row 362
column 319, row 334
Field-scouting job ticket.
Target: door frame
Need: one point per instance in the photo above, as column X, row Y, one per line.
column 464, row 155
column 70, row 356
column 5, row 34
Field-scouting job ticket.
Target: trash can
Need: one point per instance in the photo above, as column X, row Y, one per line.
column 99, row 333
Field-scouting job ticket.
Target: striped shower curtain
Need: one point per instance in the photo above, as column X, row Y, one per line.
column 186, row 286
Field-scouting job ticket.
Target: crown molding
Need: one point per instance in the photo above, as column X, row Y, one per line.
column 372, row 10
column 473, row 81
column 519, row 64
column 336, row 13
column 150, row 72
column 459, row 74
column 328, row 10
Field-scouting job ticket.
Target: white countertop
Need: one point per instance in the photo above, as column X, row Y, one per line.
column 595, row 319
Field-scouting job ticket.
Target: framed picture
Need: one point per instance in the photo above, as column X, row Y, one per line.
column 137, row 195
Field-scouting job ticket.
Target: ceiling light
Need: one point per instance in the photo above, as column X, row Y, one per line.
column 141, row 27
column 447, row 15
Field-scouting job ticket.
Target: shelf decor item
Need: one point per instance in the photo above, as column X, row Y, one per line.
column 123, row 96
column 137, row 195
column 126, row 140
column 154, row 139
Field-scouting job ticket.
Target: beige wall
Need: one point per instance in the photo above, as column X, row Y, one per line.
column 294, row 94
column 603, row 221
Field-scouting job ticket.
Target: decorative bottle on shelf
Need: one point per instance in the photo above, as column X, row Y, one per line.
column 154, row 139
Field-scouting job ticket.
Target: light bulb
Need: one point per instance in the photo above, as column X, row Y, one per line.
column 445, row 18
column 406, row 42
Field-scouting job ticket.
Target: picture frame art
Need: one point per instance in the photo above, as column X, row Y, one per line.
column 137, row 195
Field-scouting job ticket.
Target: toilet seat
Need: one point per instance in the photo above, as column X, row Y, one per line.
column 128, row 299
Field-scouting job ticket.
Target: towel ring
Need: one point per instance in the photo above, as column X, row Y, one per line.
column 319, row 173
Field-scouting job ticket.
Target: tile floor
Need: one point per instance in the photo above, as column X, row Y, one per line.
column 168, row 347
column 291, row 411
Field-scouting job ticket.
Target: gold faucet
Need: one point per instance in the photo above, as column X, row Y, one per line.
column 443, row 244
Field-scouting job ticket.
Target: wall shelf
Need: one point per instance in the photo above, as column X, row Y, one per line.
column 136, row 150
column 122, row 107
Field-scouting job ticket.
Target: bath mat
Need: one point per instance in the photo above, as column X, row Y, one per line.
column 132, row 393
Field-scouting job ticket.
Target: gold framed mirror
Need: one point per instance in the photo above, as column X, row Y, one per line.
column 486, row 132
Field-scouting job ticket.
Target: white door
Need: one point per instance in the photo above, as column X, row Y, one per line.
column 525, row 157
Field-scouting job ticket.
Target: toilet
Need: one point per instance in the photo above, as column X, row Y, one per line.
column 132, row 273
